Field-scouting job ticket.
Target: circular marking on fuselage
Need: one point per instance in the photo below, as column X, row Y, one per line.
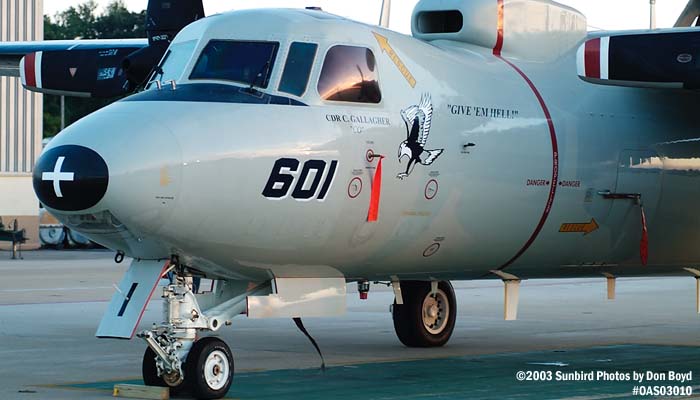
column 431, row 250
column 355, row 187
column 369, row 156
column 431, row 189
column 70, row 178
column 684, row 58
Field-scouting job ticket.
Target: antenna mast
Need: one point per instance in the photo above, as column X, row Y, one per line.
column 386, row 14
column 652, row 14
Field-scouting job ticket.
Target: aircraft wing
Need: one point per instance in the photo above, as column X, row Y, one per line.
column 99, row 68
column 662, row 59
column 12, row 52
column 84, row 68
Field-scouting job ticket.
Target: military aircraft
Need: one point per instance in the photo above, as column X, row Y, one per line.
column 286, row 152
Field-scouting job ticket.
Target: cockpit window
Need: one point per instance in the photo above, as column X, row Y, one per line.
column 244, row 62
column 298, row 68
column 350, row 74
column 175, row 60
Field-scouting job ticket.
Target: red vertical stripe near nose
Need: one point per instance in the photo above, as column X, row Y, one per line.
column 29, row 69
column 373, row 214
column 592, row 56
column 499, row 37
column 552, row 135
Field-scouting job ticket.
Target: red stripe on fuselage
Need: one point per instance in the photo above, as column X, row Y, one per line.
column 29, row 69
column 499, row 38
column 552, row 135
column 592, row 57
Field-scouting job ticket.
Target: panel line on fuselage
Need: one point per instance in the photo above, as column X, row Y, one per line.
column 552, row 132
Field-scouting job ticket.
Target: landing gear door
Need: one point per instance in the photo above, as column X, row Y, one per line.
column 131, row 298
column 638, row 172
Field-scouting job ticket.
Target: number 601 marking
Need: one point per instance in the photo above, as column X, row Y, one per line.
column 285, row 172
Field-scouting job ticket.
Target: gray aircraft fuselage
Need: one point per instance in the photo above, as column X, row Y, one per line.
column 510, row 189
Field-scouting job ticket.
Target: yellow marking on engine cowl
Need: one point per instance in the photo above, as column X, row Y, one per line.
column 386, row 48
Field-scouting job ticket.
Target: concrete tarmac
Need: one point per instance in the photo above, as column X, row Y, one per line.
column 51, row 303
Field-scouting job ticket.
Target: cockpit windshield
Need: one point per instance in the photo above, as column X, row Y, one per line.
column 175, row 60
column 249, row 63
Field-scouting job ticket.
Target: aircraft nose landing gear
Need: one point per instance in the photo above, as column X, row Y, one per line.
column 163, row 361
column 175, row 358
column 210, row 368
column 207, row 372
column 149, row 370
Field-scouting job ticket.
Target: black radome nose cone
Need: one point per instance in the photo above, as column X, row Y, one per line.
column 70, row 178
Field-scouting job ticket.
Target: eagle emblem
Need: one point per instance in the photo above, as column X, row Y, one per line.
column 418, row 120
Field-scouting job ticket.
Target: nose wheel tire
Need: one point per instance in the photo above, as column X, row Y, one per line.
column 425, row 319
column 210, row 368
column 150, row 374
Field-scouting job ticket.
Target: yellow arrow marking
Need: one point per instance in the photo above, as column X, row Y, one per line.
column 386, row 48
column 584, row 228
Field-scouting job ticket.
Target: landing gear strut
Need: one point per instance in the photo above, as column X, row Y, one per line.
column 149, row 371
column 427, row 316
column 208, row 369
column 175, row 358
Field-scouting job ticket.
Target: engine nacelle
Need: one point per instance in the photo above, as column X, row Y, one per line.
column 532, row 29
column 78, row 73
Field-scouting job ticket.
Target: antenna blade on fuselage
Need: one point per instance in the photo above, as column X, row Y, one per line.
column 386, row 14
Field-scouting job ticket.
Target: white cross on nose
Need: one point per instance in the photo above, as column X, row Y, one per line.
column 57, row 176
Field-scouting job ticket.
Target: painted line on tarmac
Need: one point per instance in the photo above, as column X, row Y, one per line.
column 55, row 303
column 53, row 289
